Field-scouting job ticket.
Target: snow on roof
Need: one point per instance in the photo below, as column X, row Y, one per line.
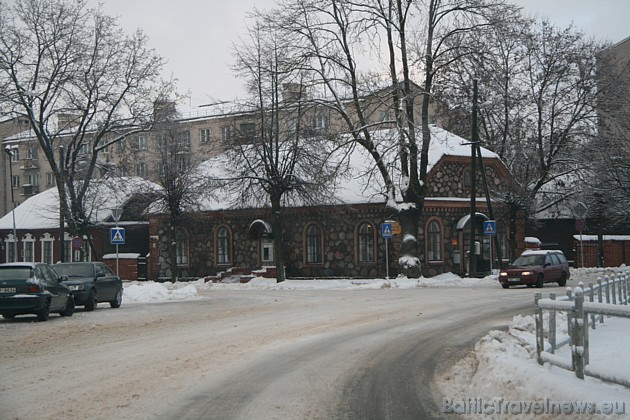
column 593, row 238
column 356, row 186
column 41, row 211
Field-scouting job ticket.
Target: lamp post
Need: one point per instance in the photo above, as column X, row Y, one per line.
column 9, row 153
column 116, row 213
column 62, row 202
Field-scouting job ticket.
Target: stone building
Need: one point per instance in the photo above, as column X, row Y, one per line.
column 344, row 240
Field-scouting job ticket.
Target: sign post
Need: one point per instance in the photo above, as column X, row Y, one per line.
column 118, row 234
column 386, row 233
column 490, row 228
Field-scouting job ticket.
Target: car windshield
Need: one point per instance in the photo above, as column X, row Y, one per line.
column 74, row 270
column 15, row 273
column 528, row 260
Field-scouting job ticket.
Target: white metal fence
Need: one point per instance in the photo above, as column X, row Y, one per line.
column 585, row 307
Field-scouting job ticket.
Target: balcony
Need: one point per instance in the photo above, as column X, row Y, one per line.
column 29, row 165
column 28, row 190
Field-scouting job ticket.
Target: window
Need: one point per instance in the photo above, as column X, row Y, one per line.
column 184, row 140
column 47, row 248
column 466, row 177
column 122, row 144
column 313, row 245
column 226, row 133
column 182, row 249
column 223, row 246
column 248, row 130
column 84, row 149
column 267, row 251
column 15, row 154
column 31, row 153
column 15, row 181
column 434, row 243
column 50, row 179
column 142, row 169
column 320, row 122
column 29, row 248
column 366, row 242
column 161, row 141
column 11, row 249
column 141, row 143
column 67, row 250
column 205, row 134
column 33, row 179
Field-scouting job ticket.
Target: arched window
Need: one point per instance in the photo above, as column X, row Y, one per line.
column 223, row 246
column 366, row 242
column 434, row 243
column 181, row 242
column 313, row 245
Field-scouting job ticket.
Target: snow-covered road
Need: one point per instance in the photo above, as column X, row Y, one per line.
column 301, row 350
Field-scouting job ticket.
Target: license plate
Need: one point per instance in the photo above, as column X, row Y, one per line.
column 514, row 279
column 7, row 289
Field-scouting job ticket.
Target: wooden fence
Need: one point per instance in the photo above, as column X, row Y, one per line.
column 585, row 307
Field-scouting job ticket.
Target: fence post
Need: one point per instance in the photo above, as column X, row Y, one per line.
column 599, row 297
column 614, row 290
column 552, row 325
column 591, row 295
column 540, row 342
column 625, row 288
column 569, row 315
column 607, row 280
column 577, row 336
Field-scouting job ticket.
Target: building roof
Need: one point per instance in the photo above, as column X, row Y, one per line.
column 41, row 211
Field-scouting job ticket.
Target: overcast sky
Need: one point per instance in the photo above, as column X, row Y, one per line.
column 196, row 36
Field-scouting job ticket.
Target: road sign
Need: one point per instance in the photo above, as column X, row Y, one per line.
column 490, row 227
column 117, row 236
column 77, row 243
column 579, row 224
column 396, row 228
column 386, row 230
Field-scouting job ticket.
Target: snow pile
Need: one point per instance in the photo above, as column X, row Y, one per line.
column 148, row 291
column 503, row 370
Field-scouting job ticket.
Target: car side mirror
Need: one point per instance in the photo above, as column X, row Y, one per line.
column 100, row 274
column 63, row 278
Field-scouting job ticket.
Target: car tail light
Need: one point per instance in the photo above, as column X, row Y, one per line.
column 33, row 288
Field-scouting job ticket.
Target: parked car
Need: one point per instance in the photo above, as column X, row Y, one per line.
column 535, row 268
column 91, row 283
column 33, row 288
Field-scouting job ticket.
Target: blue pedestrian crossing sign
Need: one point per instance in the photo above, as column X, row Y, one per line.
column 386, row 230
column 490, row 227
column 117, row 236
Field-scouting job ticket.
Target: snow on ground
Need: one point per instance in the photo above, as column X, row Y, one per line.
column 507, row 357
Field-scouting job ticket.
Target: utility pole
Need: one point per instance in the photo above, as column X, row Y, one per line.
column 472, row 257
column 62, row 201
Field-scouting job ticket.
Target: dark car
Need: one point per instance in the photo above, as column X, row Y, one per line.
column 33, row 288
column 535, row 268
column 90, row 283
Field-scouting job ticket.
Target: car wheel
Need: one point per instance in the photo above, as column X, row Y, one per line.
column 118, row 301
column 540, row 281
column 44, row 313
column 91, row 301
column 8, row 316
column 563, row 279
column 69, row 310
column 505, row 286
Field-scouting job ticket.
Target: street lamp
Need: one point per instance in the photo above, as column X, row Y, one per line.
column 116, row 213
column 9, row 153
column 472, row 257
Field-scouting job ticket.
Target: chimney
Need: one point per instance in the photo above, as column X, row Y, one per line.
column 293, row 92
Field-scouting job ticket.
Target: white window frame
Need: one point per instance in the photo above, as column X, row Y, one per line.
column 48, row 248
column 205, row 134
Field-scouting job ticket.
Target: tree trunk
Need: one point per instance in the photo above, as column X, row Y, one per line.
column 278, row 242
column 408, row 261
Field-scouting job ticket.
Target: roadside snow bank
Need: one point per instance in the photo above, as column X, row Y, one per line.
column 509, row 359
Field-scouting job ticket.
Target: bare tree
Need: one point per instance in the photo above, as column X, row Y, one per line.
column 539, row 84
column 82, row 83
column 280, row 156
